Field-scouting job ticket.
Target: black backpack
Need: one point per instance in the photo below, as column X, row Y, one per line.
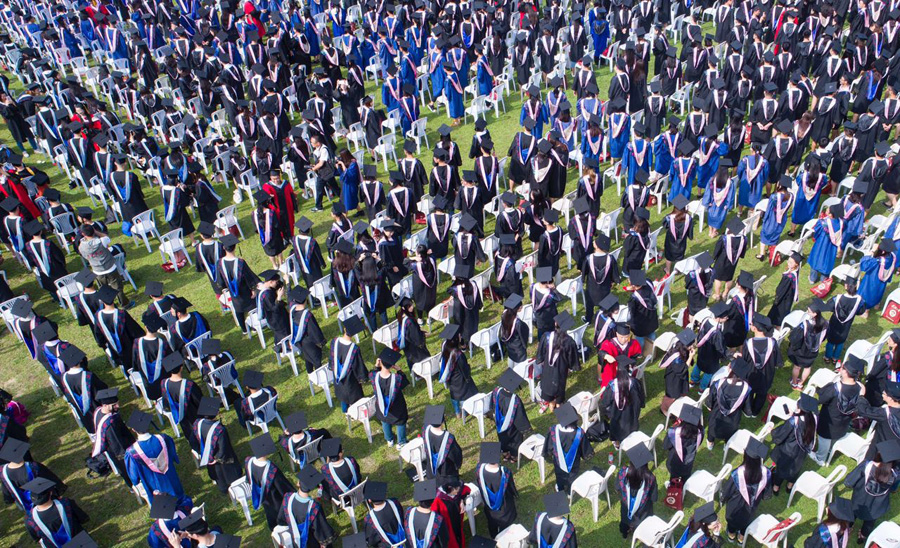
column 97, row 467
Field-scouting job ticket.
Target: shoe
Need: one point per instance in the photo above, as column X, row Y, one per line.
column 130, row 305
column 390, row 443
column 316, row 209
column 25, row 154
column 710, row 445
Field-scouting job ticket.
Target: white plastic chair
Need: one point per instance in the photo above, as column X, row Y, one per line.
column 526, row 371
column 761, row 530
column 639, row 437
column 66, row 288
column 414, row 453
column 571, row 289
column 782, row 407
column 886, row 535
column 533, row 448
column 384, row 148
column 349, row 501
column 655, row 532
column 821, row 377
column 361, row 411
column 471, row 503
column 323, row 377
column 738, row 441
column 477, row 406
column 170, row 244
column 853, row 445
column 589, row 485
column 64, row 226
column 321, row 290
column 704, row 485
column 586, row 404
column 143, row 226
column 514, row 536
column 427, row 369
column 239, row 492
column 227, row 218
column 485, row 339
column 812, row 485
column 265, row 414
column 419, row 132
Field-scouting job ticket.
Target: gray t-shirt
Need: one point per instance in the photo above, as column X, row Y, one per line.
column 98, row 256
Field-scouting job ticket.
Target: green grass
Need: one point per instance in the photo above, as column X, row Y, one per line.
column 118, row 520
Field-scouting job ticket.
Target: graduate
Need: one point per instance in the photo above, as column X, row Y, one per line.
column 424, row 273
column 805, row 341
column 764, row 356
column 612, row 347
column 566, row 446
column 541, row 169
column 345, row 361
column 390, row 404
column 837, row 405
column 635, row 197
column 557, row 355
column 341, row 473
column 400, row 204
column 181, row 397
column 718, row 198
column 806, row 204
column 748, row 485
column 665, row 148
column 235, row 275
column 150, row 461
column 424, row 527
column 535, row 110
column 551, row 242
column 787, row 293
column 444, row 455
column 175, row 203
column 509, row 413
column 794, row 439
column 703, row 528
column 410, row 337
column 112, row 437
column 438, row 232
column 551, row 527
column 581, row 231
column 19, row 469
column 835, row 529
column 676, row 364
column 270, row 304
column 872, row 482
column 268, row 486
column 45, row 257
column 390, row 251
column 371, row 192
column 846, row 307
column 728, row 395
column 683, row 442
column 698, row 282
column 604, row 324
column 207, row 255
column 268, row 227
column 498, row 487
column 592, row 149
column 487, row 165
column 877, row 272
column 187, row 327
column 637, row 153
column 619, row 128
column 509, row 279
column 448, row 504
column 467, row 249
column 637, row 242
column 741, row 311
column 159, row 303
column 637, row 489
column 217, row 454
column 344, row 274
column 828, row 234
column 384, row 525
column 599, row 272
column 306, row 335
column 195, row 529
column 455, row 372
column 644, row 317
column 166, row 513
column 80, row 387
column 53, row 520
column 258, row 396
column 775, row 217
column 683, row 172
column 466, row 302
column 521, row 151
column 730, row 248
column 453, row 93
column 622, row 401
column 679, row 227
column 118, row 328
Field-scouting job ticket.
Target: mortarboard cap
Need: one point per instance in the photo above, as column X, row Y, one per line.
column 296, row 422
column 173, row 361
column 551, row 216
column 208, row 407
column 163, row 507
column 892, row 390
column 331, row 447
column 72, row 356
column 140, row 422
column 741, row 367
column 450, row 330
column 39, row 485
column 513, row 301
column 680, row 202
column 808, row 403
column 206, row 229
column 745, row 280
column 375, row 491
column 107, row 396
column 602, row 241
column 345, row 247
column 566, row 414
column 639, row 455
column 194, row 523
column 609, row 303
column 842, row 509
column 719, row 309
column 434, row 415
column 637, row 277
column 691, row 414
column 735, row 225
column 686, row 337
column 211, row 347
column 44, row 332
column 262, row 445
column 467, row 222
column 253, row 379
column 309, row 478
column 389, row 356
column 543, row 274
column 490, row 452
column 853, row 365
column 424, row 491
column 756, row 449
column 762, row 322
column 556, row 504
column 706, row 513
column 299, row 294
column 889, row 450
column 564, row 320
column 14, row 450
column 107, row 294
column 229, row 240
column 153, row 289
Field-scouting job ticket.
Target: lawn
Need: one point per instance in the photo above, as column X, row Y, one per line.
column 117, row 519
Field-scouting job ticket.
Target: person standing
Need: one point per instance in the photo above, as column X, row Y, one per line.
column 509, row 413
column 498, row 487
column 345, row 361
column 837, row 405
column 557, row 355
column 112, row 437
column 384, row 525
column 637, row 489
column 390, row 404
column 552, row 527
column 566, row 445
column 306, row 335
column 268, row 486
column 794, row 439
column 93, row 249
column 745, row 489
column 216, row 452
column 872, row 482
column 151, row 460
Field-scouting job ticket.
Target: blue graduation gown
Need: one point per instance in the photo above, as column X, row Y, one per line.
column 386, row 50
column 540, row 117
column 591, row 147
column 315, row 49
column 854, row 217
column 821, row 258
column 805, row 209
column 567, row 130
column 772, row 227
column 484, row 78
column 409, row 112
column 705, row 172
column 600, row 34
column 413, row 36
column 716, row 213
column 407, row 71
column 681, row 177
column 618, row 139
column 350, row 181
column 138, row 472
column 664, row 151
column 632, row 162
column 453, row 91
column 438, row 76
column 391, row 91
column 871, row 287
column 586, row 107
column 753, row 172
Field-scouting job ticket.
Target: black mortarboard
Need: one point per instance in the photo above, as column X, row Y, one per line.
column 389, row 356
column 784, row 126
column 229, row 240
column 10, row 204
column 528, row 124
column 299, row 294
column 375, row 491
column 818, row 305
column 424, row 491
column 309, row 478
column 14, row 450
column 39, row 485
column 691, row 414
column 140, row 422
column 337, row 208
column 21, row 308
column 44, row 332
column 842, row 509
column 556, row 504
column 686, row 337
column 582, row 205
column 262, row 445
column 704, row 260
column 490, row 452
column 331, row 447
column 33, row 228
column 639, row 455
column 609, row 303
column 762, row 322
column 513, row 301
column 706, row 513
column 853, row 365
column 107, row 396
column 735, row 225
column 808, row 403
column 194, row 523
column 173, row 361
column 741, row 367
column 543, row 274
column 208, row 407
column 889, row 450
column 303, row 224
column 72, row 356
column 467, row 223
column 345, row 247
column 439, row 202
column 719, row 309
column 545, row 146
column 551, row 216
column 507, row 239
column 623, row 328
column 206, row 229
column 445, row 130
column 163, row 507
column 510, row 380
column 876, row 107
column 153, row 289
column 887, row 245
column 52, row 194
column 434, row 415
column 883, row 148
column 408, row 146
column 686, row 148
column 745, row 280
column 637, row 277
column 296, row 422
column 680, row 202
column 253, row 379
column 565, row 414
column 211, row 347
column 564, row 320
column 450, row 330
column 892, row 389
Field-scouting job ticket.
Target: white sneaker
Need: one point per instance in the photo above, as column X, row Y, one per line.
column 25, row 154
column 390, row 443
column 710, row 445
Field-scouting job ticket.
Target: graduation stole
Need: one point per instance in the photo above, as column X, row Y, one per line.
column 208, row 442
column 199, row 327
column 437, row 459
column 169, row 201
column 111, row 336
column 257, row 492
column 389, row 538
column 100, row 430
column 555, row 246
column 447, row 366
column 264, row 228
column 409, row 107
column 834, row 235
column 458, row 291
column 811, row 193
column 617, row 122
column 41, row 250
column 232, row 278
column 445, row 184
column 177, row 408
column 52, row 359
column 354, row 479
column 370, row 198
column 488, row 176
column 124, row 191
column 542, row 303
column 403, row 211
column 532, row 109
column 504, row 421
column 781, row 207
column 721, row 194
column 837, row 301
column 885, row 272
column 298, row 329
column 770, row 347
column 797, row 424
column 566, row 129
column 152, row 370
column 453, row 78
column 706, row 155
column 778, row 148
column 746, row 309
column 679, row 447
column 720, row 397
column 639, row 155
column 23, row 497
column 346, row 282
column 672, row 141
column 64, row 534
column 734, row 255
column 684, row 231
column 594, row 142
column 684, row 173
column 503, row 267
column 210, row 267
column 524, row 154
column 421, row 273
column 463, row 241
column 637, row 499
column 566, row 458
column 892, row 422
column 401, row 339
column 564, row 534
column 158, row 464
column 493, row 499
column 430, row 530
column 342, row 369
column 584, row 233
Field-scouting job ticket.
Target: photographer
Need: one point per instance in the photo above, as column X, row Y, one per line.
column 322, row 164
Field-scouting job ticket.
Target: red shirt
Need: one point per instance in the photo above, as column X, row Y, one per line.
column 611, row 347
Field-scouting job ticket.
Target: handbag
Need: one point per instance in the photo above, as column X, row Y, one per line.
column 774, row 258
column 326, row 173
column 675, row 494
column 892, row 312
column 823, row 288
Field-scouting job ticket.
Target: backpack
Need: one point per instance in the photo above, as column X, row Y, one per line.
column 17, row 412
column 97, row 466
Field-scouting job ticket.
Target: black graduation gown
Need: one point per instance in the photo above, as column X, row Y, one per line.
column 506, row 403
column 309, row 257
column 470, row 200
column 307, row 336
column 448, row 468
column 634, row 251
column 804, row 344
column 444, row 181
column 735, row 328
column 207, row 257
column 520, row 152
column 347, row 388
column 236, row 276
column 681, row 466
column 765, row 357
column 846, row 308
column 581, row 231
column 73, row 379
column 414, row 176
column 467, row 251
column 599, row 273
column 550, row 532
column 401, row 205
column 116, row 438
column 550, row 249
column 676, row 377
column 697, row 297
column 789, row 453
column 625, row 419
column 178, row 213
column 387, row 520
column 644, row 317
column 876, row 379
column 723, row 266
column 411, row 339
column 274, row 311
column 509, row 281
column 465, row 309
column 127, row 331
column 566, row 438
column 391, row 253
column 146, row 352
column 644, row 510
column 440, row 532
column 557, row 354
column 738, row 512
column 499, row 508
column 837, row 405
column 275, row 487
column 511, row 222
column 76, row 517
column 784, row 297
column 371, row 194
column 438, row 235
column 50, row 261
column 397, row 412
column 18, row 477
column 172, row 389
column 515, row 344
column 677, row 236
column 226, row 468
column 871, row 499
column 728, row 399
column 459, row 381
column 320, row 532
column 424, row 286
column 887, row 424
column 545, row 310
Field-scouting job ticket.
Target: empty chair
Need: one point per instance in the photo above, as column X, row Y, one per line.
column 171, row 245
column 66, row 288
column 766, row 531
column 414, row 453
column 477, row 406
column 239, row 493
column 427, row 369
column 265, row 414
column 485, row 339
column 852, row 445
column 533, row 448
column 639, row 437
column 886, row 535
column 143, row 225
column 514, row 536
column 738, row 441
column 226, row 220
column 360, row 411
column 655, row 532
column 322, row 377
column 811, row 484
column 704, row 485
column 589, row 485
column 64, row 226
column 349, row 501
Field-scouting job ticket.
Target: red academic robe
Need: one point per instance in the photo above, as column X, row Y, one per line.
column 21, row 194
column 285, row 202
column 455, row 529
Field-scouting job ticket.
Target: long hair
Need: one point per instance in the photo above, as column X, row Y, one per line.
column 368, row 270
column 689, row 433
column 640, row 226
column 343, row 262
column 538, row 202
column 884, row 471
column 809, row 427
column 623, row 380
column 722, row 176
column 507, row 322
column 895, row 359
column 820, row 323
column 813, row 170
column 753, row 471
column 636, row 476
column 406, row 309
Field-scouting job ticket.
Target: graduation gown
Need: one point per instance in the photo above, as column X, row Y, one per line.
column 443, row 455
column 390, row 404
column 147, row 356
column 728, row 399
column 411, row 340
column 119, row 331
column 80, row 388
column 235, row 275
column 566, row 447
column 742, row 500
column 465, row 309
column 887, row 424
column 182, row 399
column 111, row 436
column 599, row 273
column 730, row 248
column 837, row 406
column 424, row 285
column 624, row 416
column 437, row 235
column 871, row 499
column 804, row 343
column 384, row 526
column 508, row 279
column 681, row 452
column 786, row 294
column 510, row 418
column 340, row 477
column 644, row 317
column 49, row 261
column 547, row 534
column 309, row 256
column 268, row 487
column 345, row 361
column 677, row 236
column 515, row 344
column 305, row 520
column 56, row 525
column 151, row 462
column 789, row 453
column 498, row 490
column 274, row 312
column 426, row 529
column 175, row 204
column 545, row 309
column 467, row 251
column 456, row 374
column 557, row 355
column 763, row 353
column 698, row 283
column 12, row 480
column 217, row 454
column 634, row 507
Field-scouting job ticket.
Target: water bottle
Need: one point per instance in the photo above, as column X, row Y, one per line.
column 610, row 459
